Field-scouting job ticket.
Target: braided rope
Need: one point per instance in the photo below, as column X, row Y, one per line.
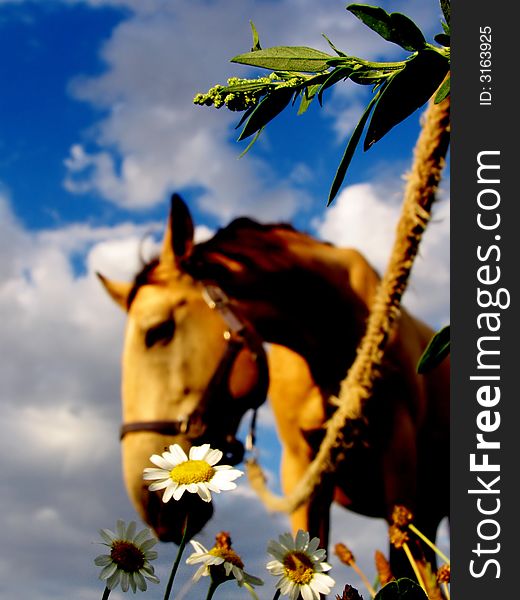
column 422, row 183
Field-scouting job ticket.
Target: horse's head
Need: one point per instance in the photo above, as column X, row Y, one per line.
column 191, row 368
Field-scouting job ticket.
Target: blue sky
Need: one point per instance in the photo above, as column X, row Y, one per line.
column 97, row 131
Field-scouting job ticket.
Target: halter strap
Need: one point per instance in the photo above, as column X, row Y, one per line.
column 239, row 335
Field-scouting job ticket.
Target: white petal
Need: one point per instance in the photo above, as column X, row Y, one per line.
column 324, row 580
column 199, row 452
column 161, row 462
column 286, row 540
column 112, row 581
column 198, row 546
column 308, row 593
column 140, row 582
column 302, row 540
column 107, row 535
column 228, row 474
column 131, row 579
column 159, row 485
column 108, row 571
column 192, row 488
column 130, row 531
column 177, row 454
column 201, row 571
column 313, row 545
column 102, row 560
column 178, row 492
column 217, row 485
column 324, row 566
column 169, row 492
column 213, row 457
column 120, row 529
column 151, row 473
column 124, row 581
column 276, row 567
column 276, row 550
column 145, row 543
column 204, row 493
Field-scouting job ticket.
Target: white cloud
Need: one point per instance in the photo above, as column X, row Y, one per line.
column 59, row 421
column 364, row 216
column 154, row 140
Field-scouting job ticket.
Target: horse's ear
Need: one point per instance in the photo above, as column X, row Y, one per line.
column 178, row 237
column 118, row 290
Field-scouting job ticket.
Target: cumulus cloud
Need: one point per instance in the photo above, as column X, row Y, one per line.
column 364, row 216
column 153, row 139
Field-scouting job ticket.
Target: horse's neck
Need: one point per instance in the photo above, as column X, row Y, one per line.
column 302, row 294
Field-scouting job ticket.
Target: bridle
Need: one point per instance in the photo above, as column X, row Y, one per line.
column 239, row 335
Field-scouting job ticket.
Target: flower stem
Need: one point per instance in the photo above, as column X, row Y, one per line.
column 213, row 586
column 182, row 545
column 415, row 567
column 364, row 579
column 277, row 594
column 251, row 590
column 106, row 594
column 430, row 543
column 446, row 590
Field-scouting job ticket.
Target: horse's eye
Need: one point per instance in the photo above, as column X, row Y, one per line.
column 160, row 334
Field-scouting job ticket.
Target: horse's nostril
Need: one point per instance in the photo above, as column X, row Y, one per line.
column 186, row 391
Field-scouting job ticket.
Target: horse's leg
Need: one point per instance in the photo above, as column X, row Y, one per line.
column 299, row 409
column 314, row 515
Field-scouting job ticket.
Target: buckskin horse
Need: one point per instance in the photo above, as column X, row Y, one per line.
column 189, row 372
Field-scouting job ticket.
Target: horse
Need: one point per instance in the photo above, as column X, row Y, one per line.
column 190, row 372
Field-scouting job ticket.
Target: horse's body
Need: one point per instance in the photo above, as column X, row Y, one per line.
column 311, row 301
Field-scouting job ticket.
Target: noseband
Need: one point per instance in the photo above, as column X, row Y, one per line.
column 239, row 335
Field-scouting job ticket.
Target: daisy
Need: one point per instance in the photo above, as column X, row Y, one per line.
column 176, row 473
column 300, row 565
column 128, row 560
column 221, row 562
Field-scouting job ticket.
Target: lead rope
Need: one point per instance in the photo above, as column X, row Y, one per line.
column 422, row 183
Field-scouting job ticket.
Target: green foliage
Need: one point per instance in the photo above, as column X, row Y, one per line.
column 393, row 27
column 399, row 88
column 286, row 58
column 402, row 589
column 405, row 91
column 436, row 351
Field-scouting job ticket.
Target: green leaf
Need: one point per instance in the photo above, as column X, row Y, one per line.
column 368, row 77
column 338, row 52
column 256, row 40
column 286, row 58
column 444, row 91
column 267, row 109
column 406, row 91
column 251, row 143
column 394, row 27
column 308, row 95
column 446, row 10
column 402, row 589
column 443, row 39
column 337, row 75
column 350, row 149
column 436, row 351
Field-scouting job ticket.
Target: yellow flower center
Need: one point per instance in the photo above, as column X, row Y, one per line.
column 127, row 556
column 192, row 471
column 298, row 567
column 228, row 555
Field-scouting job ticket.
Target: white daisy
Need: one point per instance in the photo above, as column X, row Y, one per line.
column 300, row 566
column 176, row 473
column 128, row 561
column 221, row 562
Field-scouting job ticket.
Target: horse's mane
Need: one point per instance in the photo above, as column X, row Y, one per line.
column 227, row 241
